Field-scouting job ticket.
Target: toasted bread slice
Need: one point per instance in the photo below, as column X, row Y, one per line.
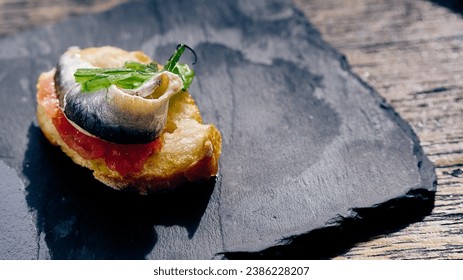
column 189, row 149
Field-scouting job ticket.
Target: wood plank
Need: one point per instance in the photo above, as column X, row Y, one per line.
column 18, row 15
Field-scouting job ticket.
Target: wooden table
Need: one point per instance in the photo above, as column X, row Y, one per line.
column 411, row 51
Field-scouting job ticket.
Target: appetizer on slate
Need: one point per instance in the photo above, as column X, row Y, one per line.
column 128, row 119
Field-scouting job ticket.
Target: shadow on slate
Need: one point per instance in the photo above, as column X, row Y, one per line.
column 83, row 219
column 338, row 238
column 313, row 159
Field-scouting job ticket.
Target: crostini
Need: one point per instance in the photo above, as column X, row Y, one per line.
column 128, row 119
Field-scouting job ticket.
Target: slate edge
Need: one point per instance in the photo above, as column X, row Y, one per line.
column 362, row 224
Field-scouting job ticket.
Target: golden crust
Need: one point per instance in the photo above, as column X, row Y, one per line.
column 190, row 149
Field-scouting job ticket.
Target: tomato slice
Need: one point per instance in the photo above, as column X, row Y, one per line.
column 84, row 145
column 129, row 158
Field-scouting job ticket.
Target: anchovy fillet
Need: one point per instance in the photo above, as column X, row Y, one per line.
column 114, row 114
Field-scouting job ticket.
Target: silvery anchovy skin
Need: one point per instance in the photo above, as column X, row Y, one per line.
column 114, row 114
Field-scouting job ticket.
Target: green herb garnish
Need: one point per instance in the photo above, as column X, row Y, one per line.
column 182, row 70
column 133, row 74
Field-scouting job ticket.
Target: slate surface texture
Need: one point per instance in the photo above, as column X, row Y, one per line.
column 313, row 159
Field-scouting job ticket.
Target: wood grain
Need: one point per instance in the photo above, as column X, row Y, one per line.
column 18, row 15
column 410, row 52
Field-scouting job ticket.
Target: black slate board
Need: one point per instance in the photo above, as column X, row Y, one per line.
column 313, row 159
